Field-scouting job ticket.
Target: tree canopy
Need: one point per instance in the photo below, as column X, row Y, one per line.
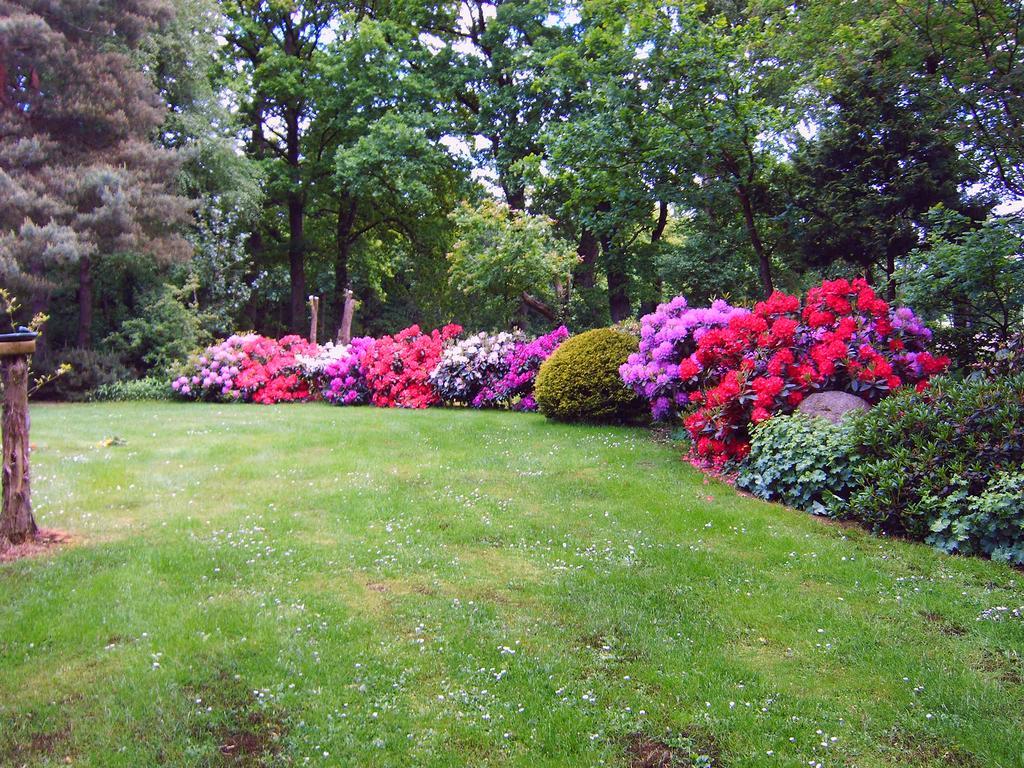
column 215, row 162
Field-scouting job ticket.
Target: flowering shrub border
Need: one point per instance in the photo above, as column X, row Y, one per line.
column 764, row 363
column 732, row 367
column 668, row 336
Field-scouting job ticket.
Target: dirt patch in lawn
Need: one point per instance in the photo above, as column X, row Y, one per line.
column 40, row 544
column 1006, row 666
column 944, row 625
column 36, row 748
column 244, row 732
column 921, row 749
column 250, row 743
column 695, row 746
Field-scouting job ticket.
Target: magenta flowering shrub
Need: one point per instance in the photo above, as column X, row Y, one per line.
column 515, row 388
column 345, row 379
column 313, row 366
column 668, row 336
column 211, row 375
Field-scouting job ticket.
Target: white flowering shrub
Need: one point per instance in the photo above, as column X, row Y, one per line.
column 313, row 367
column 473, row 365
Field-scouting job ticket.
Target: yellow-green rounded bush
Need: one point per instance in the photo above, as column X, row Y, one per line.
column 580, row 381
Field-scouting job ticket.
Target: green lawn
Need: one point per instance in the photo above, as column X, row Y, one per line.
column 306, row 585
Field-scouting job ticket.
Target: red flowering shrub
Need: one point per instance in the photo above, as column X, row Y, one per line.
column 269, row 372
column 844, row 337
column 398, row 367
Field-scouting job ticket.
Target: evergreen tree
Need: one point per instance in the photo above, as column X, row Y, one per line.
column 863, row 184
column 80, row 177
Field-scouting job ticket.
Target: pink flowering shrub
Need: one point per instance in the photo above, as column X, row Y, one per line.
column 398, row 367
column 344, row 378
column 764, row 363
column 211, row 375
column 249, row 368
column 668, row 336
column 270, row 371
column 515, row 388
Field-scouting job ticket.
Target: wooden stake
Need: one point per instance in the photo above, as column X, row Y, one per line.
column 314, row 307
column 345, row 332
column 17, row 523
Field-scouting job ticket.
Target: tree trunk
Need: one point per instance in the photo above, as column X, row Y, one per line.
column 661, row 223
column 297, row 260
column 618, row 284
column 656, row 235
column 85, row 302
column 296, row 215
column 588, row 250
column 890, row 273
column 516, row 198
column 538, row 306
column 343, row 249
column 16, row 521
column 345, row 332
column 764, row 264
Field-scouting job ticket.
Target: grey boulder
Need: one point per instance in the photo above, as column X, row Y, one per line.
column 832, row 405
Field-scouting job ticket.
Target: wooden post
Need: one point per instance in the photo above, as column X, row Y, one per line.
column 345, row 332
column 314, row 308
column 17, row 523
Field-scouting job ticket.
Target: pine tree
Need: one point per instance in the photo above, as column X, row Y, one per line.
column 80, row 174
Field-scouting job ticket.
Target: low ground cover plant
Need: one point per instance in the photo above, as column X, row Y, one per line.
column 944, row 465
column 127, row 390
column 801, row 461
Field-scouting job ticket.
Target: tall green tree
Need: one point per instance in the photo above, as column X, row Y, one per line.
column 881, row 158
column 388, row 183
column 505, row 262
column 276, row 51
column 80, row 175
column 970, row 53
column 683, row 109
column 493, row 61
column 968, row 280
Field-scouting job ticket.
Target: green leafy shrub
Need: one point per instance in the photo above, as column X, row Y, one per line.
column 940, row 466
column 798, row 460
column 149, row 388
column 1007, row 359
column 993, row 523
column 580, row 381
column 167, row 331
column 89, row 369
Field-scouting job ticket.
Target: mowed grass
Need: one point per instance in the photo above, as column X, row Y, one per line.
column 306, row 585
